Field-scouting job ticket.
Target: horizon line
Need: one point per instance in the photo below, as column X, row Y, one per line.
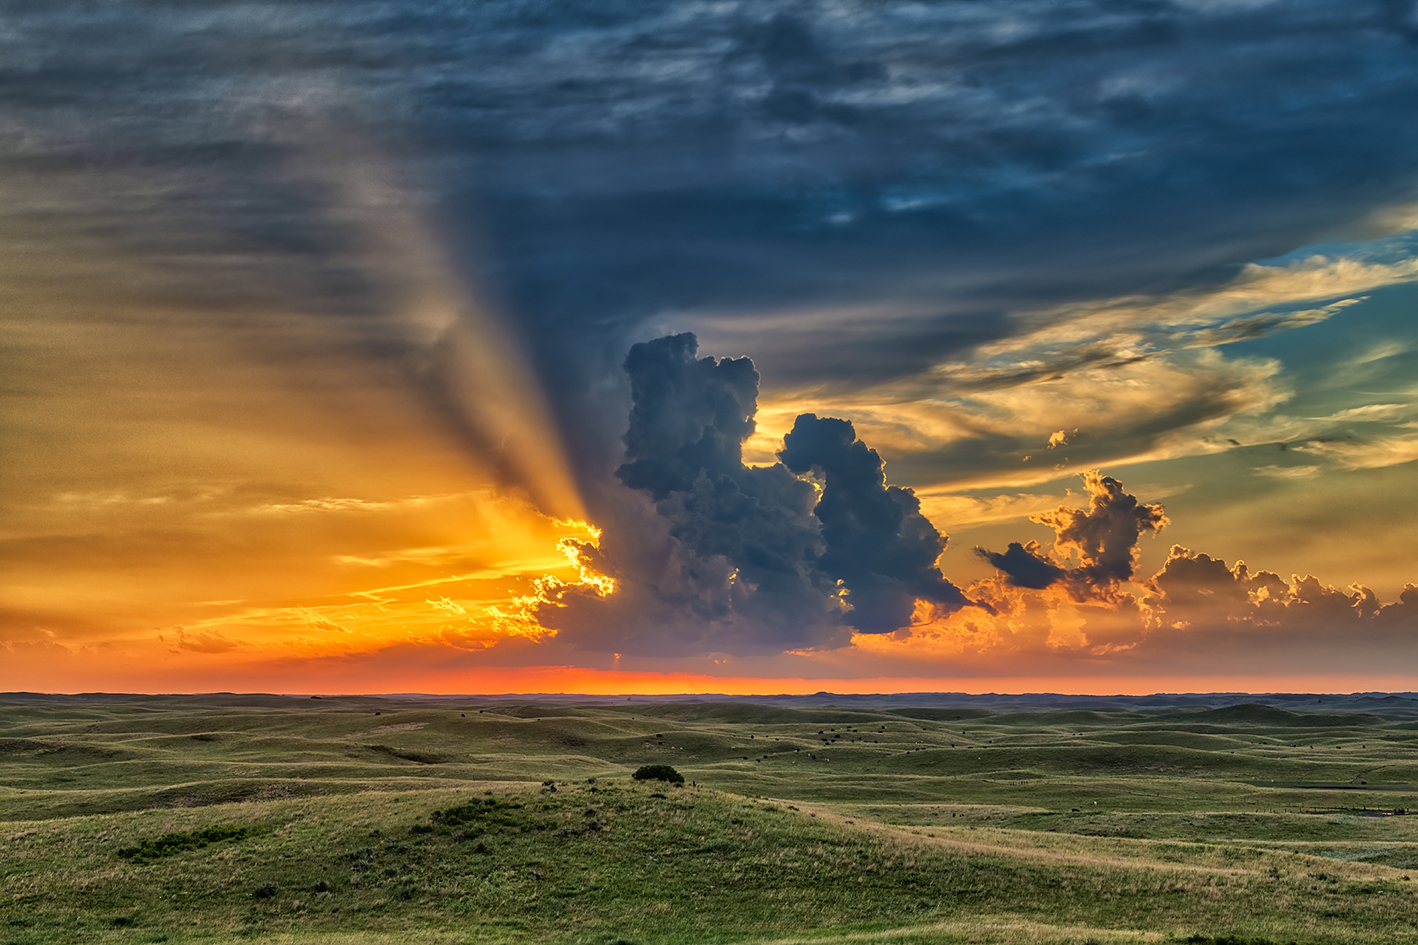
column 728, row 696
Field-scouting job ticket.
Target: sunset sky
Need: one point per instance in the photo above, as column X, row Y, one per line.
column 422, row 347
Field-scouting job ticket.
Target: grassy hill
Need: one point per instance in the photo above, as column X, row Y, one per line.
column 353, row 820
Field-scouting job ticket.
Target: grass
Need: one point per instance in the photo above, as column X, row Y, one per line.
column 214, row 819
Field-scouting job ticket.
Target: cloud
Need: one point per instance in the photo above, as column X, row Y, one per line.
column 200, row 642
column 1234, row 311
column 1102, row 539
column 1200, row 593
column 1195, row 614
column 877, row 542
column 328, row 504
column 448, row 606
column 309, row 617
column 1085, row 348
column 1368, row 413
column 1179, row 404
column 1024, row 565
column 629, row 166
column 1130, row 379
column 740, row 558
column 1288, row 472
column 961, row 510
column 1367, row 453
column 1050, row 242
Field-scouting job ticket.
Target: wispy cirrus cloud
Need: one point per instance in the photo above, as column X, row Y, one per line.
column 1367, row 453
column 1129, row 379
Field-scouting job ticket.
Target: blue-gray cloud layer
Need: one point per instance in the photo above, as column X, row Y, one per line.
column 602, row 164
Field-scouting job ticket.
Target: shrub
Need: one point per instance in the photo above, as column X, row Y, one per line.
column 170, row 844
column 481, row 815
column 658, row 773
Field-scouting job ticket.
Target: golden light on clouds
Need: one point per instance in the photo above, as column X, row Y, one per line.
column 1087, row 383
column 518, row 617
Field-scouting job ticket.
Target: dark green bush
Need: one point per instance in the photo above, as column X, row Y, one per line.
column 171, row 843
column 483, row 815
column 658, row 773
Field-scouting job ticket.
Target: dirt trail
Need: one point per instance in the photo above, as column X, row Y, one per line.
column 986, row 930
column 999, row 842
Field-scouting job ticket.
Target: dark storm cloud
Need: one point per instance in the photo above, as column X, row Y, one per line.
column 739, row 558
column 877, row 541
column 688, row 416
column 1024, row 566
column 1102, row 539
column 607, row 165
column 1104, row 536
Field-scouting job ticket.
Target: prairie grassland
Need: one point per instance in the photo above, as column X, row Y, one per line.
column 225, row 818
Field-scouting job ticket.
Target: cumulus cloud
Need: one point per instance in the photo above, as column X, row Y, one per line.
column 1102, row 539
column 877, row 542
column 740, row 558
column 689, row 417
column 1190, row 580
column 817, row 552
column 1195, row 590
column 1196, row 613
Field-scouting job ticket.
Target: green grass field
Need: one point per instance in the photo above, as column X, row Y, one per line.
column 363, row 820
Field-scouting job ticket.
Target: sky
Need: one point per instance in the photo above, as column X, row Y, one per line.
column 613, row 347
